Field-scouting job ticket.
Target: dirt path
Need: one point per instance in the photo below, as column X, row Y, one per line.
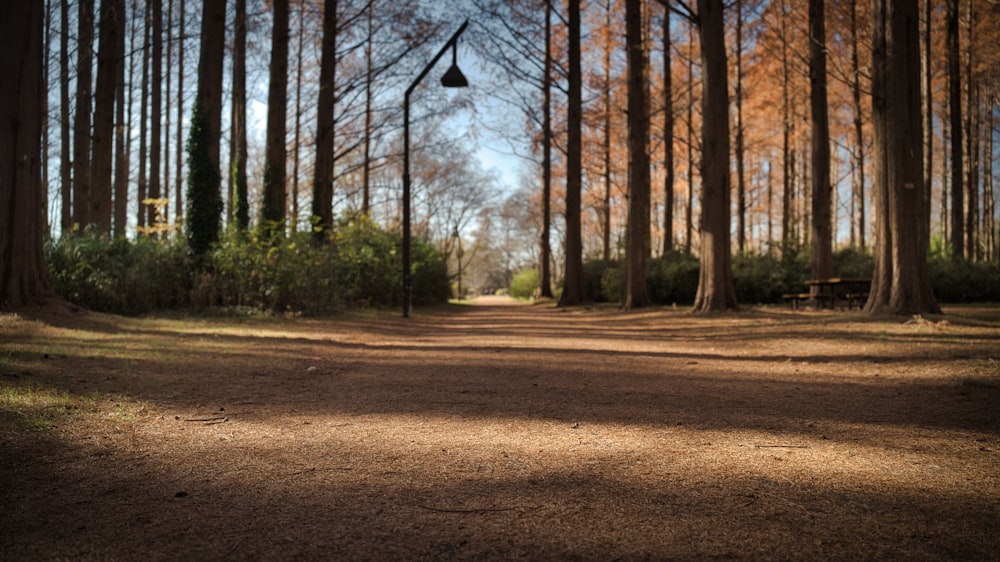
column 501, row 432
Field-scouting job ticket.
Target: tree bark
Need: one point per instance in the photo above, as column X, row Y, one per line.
column 65, row 157
column 741, row 203
column 668, row 136
column 23, row 277
column 715, row 282
column 859, row 139
column 545, row 279
column 81, row 129
column 573, row 289
column 179, row 181
column 238, row 144
column 204, row 201
column 298, row 123
column 955, row 127
column 108, row 56
column 322, row 204
column 822, row 237
column 141, row 188
column 274, row 211
column 156, row 119
column 637, row 234
column 122, row 134
column 901, row 281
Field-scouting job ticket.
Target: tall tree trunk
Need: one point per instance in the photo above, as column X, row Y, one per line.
column 141, row 189
column 23, row 277
column 927, row 91
column 65, row 157
column 741, row 203
column 44, row 164
column 179, row 181
column 573, row 289
column 715, row 281
column 608, row 102
column 788, row 157
column 901, row 281
column 546, row 242
column 111, row 27
column 637, row 234
column 971, row 165
column 366, row 192
column 668, row 137
column 156, row 120
column 238, row 144
column 81, row 133
column 166, row 116
column 322, row 204
column 274, row 211
column 822, row 237
column 859, row 138
column 298, row 123
column 689, row 207
column 204, row 200
column 955, row 120
column 122, row 134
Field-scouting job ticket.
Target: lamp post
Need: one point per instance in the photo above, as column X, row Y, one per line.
column 453, row 78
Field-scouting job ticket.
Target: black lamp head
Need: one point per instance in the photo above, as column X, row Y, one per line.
column 454, row 78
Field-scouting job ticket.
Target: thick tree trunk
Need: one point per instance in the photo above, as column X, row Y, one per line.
column 606, row 147
column 111, row 28
column 238, row 144
column 322, row 204
column 715, row 282
column 573, row 290
column 23, row 278
column 901, row 281
column 81, row 129
column 822, row 236
column 274, row 211
column 637, row 235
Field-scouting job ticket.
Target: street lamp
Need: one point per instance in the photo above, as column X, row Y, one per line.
column 453, row 78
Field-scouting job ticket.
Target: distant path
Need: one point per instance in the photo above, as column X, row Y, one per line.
column 496, row 300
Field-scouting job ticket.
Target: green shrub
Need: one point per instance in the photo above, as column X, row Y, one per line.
column 119, row 276
column 357, row 265
column 958, row 281
column 524, row 284
column 673, row 278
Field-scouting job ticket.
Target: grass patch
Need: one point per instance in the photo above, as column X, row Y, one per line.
column 31, row 408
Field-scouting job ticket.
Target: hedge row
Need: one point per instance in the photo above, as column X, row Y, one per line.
column 359, row 265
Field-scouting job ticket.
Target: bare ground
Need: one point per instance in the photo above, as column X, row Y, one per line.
column 501, row 432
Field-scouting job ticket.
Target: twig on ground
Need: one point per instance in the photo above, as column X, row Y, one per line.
column 478, row 510
column 782, row 446
column 216, row 419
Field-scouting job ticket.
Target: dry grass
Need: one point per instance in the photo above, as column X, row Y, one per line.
column 499, row 432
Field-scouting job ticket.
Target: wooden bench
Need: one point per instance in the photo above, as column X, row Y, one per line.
column 795, row 299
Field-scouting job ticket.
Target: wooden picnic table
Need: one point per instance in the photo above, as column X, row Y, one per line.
column 826, row 291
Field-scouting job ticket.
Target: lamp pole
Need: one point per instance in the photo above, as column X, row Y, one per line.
column 453, row 78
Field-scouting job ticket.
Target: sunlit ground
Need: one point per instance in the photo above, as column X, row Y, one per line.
column 499, row 432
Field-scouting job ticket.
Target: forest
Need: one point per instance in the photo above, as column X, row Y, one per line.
column 250, row 152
